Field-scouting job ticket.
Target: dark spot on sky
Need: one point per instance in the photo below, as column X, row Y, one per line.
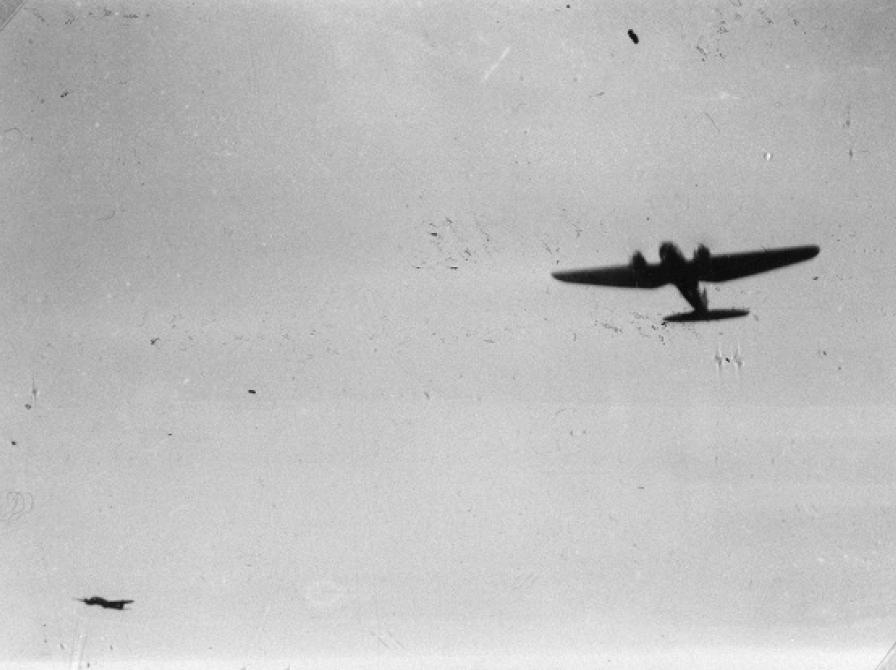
column 27, row 405
column 252, row 391
column 153, row 340
column 632, row 36
column 64, row 93
column 13, row 442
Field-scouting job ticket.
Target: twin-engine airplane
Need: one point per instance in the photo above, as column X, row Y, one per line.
column 107, row 604
column 686, row 275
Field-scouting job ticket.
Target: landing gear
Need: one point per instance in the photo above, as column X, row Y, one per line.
column 695, row 297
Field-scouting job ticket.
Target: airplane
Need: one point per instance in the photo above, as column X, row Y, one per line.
column 736, row 358
column 686, row 275
column 107, row 604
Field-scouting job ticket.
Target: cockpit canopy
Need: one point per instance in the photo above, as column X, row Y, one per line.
column 638, row 261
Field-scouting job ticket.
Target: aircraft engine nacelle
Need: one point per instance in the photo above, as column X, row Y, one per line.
column 638, row 261
column 702, row 255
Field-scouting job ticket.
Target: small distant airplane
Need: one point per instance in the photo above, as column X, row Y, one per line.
column 736, row 359
column 686, row 275
column 108, row 604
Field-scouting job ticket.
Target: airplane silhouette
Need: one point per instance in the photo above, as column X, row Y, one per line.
column 735, row 359
column 107, row 604
column 686, row 275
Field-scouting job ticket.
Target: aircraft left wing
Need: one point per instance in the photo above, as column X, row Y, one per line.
column 723, row 267
column 625, row 276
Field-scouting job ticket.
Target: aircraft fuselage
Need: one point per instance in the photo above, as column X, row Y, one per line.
column 685, row 274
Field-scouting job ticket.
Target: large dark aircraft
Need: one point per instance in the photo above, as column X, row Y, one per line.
column 686, row 275
column 108, row 604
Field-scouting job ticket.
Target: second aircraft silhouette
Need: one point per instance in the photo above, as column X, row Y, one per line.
column 107, row 604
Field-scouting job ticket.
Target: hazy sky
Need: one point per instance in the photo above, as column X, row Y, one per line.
column 353, row 209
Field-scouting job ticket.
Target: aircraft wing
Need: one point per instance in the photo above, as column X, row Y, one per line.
column 117, row 604
column 723, row 267
column 626, row 276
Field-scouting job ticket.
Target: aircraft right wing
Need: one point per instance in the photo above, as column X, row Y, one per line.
column 723, row 267
column 625, row 276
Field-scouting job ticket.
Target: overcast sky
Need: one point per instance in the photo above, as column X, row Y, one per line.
column 283, row 361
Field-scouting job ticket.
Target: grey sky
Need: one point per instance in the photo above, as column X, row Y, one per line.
column 353, row 210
